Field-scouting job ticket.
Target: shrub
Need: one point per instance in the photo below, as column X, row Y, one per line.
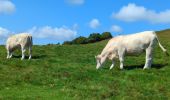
column 94, row 37
column 80, row 40
column 106, row 35
column 67, row 43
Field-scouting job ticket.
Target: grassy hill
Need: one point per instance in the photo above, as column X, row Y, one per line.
column 68, row 72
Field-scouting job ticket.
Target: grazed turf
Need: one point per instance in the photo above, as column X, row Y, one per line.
column 68, row 72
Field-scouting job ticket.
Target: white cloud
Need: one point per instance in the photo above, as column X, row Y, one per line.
column 75, row 27
column 132, row 12
column 94, row 23
column 47, row 32
column 6, row 6
column 75, row 2
column 4, row 33
column 115, row 28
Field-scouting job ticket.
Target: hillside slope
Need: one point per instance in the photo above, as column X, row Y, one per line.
column 68, row 72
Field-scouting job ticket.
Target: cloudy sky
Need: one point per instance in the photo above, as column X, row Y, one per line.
column 53, row 21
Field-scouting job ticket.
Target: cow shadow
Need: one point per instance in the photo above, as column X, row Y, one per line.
column 156, row 66
column 33, row 57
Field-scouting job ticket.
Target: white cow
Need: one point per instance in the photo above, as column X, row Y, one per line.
column 133, row 44
column 19, row 41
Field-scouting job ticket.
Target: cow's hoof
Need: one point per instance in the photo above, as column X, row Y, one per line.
column 121, row 68
column 145, row 68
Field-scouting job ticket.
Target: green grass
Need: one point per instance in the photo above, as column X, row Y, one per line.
column 68, row 72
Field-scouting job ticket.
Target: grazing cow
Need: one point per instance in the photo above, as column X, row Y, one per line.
column 133, row 44
column 19, row 41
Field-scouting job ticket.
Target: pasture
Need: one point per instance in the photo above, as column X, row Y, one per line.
column 69, row 72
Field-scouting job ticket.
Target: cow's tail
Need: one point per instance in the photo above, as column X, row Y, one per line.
column 163, row 49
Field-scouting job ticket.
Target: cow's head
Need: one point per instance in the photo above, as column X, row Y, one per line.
column 100, row 60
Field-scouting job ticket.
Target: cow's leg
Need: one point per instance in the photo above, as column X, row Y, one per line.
column 23, row 52
column 121, row 62
column 30, row 52
column 112, row 65
column 121, row 54
column 8, row 54
column 148, row 61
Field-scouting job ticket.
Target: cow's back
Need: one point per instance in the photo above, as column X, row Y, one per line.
column 137, row 43
column 133, row 43
column 20, row 39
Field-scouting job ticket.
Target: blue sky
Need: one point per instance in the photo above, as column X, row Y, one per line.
column 53, row 21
